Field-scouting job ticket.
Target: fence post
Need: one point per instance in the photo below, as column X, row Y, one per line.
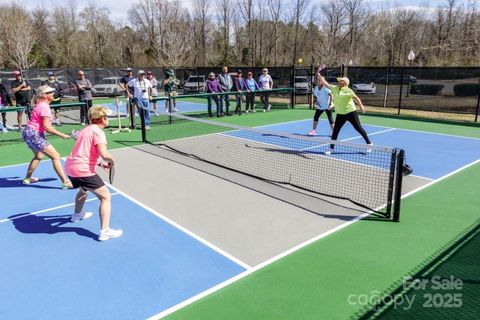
column 312, row 83
column 478, row 106
column 400, row 96
column 292, row 96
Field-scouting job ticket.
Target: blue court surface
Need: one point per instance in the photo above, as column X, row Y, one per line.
column 54, row 269
column 182, row 106
column 431, row 155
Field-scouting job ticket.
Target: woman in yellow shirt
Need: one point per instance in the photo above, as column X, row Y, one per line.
column 344, row 103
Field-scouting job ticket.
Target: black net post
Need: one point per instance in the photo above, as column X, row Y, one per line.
column 398, row 185
column 142, row 111
column 132, row 113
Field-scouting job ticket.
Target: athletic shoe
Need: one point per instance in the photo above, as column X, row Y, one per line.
column 80, row 216
column 9, row 127
column 246, row 111
column 30, row 180
column 83, row 124
column 312, row 133
column 4, row 130
column 109, row 233
column 147, row 127
column 254, row 111
column 264, row 110
column 269, row 106
column 328, row 152
column 369, row 149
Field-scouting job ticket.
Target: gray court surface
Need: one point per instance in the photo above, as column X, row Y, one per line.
column 251, row 219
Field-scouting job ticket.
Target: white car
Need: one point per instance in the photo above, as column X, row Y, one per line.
column 302, row 84
column 109, row 86
column 195, row 84
column 368, row 88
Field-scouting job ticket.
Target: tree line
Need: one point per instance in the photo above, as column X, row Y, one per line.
column 239, row 32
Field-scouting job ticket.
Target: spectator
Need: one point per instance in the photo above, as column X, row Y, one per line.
column 170, row 86
column 5, row 102
column 266, row 83
column 154, row 83
column 140, row 90
column 213, row 86
column 252, row 86
column 80, row 166
column 34, row 136
column 52, row 82
column 239, row 86
column 124, row 84
column 84, row 88
column 226, row 82
column 21, row 88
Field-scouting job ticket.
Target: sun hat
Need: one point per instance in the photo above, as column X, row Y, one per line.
column 43, row 90
column 344, row 79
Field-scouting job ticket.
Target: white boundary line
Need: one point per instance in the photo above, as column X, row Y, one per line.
column 289, row 251
column 49, row 209
column 185, row 230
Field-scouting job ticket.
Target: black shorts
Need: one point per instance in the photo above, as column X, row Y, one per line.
column 87, row 183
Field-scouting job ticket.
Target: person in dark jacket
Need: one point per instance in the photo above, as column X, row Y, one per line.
column 213, row 86
column 53, row 83
column 5, row 102
column 240, row 86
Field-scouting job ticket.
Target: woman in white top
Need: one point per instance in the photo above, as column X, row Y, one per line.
column 266, row 83
column 154, row 83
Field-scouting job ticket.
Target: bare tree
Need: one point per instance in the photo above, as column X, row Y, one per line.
column 247, row 13
column 224, row 7
column 275, row 8
column 65, row 47
column 300, row 8
column 201, row 24
column 17, row 35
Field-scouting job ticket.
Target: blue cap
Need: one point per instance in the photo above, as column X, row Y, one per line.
column 50, row 73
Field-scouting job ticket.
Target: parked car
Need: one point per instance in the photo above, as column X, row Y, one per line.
column 195, row 84
column 360, row 87
column 302, row 84
column 108, row 87
column 396, row 79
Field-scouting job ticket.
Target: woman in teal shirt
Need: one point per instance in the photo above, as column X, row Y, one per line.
column 344, row 102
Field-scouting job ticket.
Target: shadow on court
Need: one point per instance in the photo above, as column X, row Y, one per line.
column 15, row 182
column 32, row 224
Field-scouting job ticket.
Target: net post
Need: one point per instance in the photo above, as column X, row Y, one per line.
column 312, row 83
column 401, row 91
column 142, row 121
column 398, row 185
column 132, row 115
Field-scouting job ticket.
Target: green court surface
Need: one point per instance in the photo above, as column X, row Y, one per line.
column 325, row 279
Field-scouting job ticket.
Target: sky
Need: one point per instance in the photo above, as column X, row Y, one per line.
column 119, row 8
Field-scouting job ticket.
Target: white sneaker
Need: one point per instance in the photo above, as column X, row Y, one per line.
column 264, row 110
column 109, row 233
column 269, row 106
column 147, row 128
column 4, row 130
column 246, row 111
column 328, row 152
column 80, row 216
column 369, row 149
column 254, row 111
column 9, row 127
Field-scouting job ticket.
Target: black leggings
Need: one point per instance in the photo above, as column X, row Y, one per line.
column 351, row 117
column 319, row 112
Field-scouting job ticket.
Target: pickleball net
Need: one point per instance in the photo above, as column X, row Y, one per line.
column 368, row 176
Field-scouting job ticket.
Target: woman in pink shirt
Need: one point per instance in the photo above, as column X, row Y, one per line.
column 34, row 136
column 91, row 144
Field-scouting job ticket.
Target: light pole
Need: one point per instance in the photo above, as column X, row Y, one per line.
column 410, row 57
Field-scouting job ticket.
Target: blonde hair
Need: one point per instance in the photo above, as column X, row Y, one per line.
column 98, row 112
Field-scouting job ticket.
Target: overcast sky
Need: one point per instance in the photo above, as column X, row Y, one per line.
column 119, row 8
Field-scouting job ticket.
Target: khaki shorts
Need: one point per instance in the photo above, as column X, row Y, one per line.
column 172, row 94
